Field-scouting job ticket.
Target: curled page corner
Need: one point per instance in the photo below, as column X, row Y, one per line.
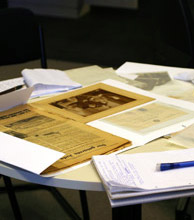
column 15, row 98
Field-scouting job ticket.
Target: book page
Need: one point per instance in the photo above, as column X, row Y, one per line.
column 78, row 141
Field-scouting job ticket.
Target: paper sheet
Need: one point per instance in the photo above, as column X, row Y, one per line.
column 184, row 137
column 12, row 99
column 26, row 155
column 93, row 74
column 10, row 83
column 185, row 76
column 150, row 118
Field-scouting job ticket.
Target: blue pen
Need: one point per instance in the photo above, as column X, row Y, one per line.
column 175, row 165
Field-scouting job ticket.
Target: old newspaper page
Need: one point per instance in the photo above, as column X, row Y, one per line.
column 78, row 141
column 92, row 102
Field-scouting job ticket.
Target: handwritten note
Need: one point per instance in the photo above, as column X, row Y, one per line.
column 137, row 172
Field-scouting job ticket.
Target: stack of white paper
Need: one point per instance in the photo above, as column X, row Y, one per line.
column 48, row 81
column 130, row 175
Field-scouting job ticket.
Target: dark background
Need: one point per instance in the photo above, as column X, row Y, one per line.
column 155, row 34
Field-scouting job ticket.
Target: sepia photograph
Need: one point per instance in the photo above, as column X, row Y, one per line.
column 92, row 102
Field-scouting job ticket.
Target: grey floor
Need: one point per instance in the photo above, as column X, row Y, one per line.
column 40, row 204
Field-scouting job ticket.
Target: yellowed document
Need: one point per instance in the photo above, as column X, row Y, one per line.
column 92, row 102
column 78, row 141
column 157, row 145
column 93, row 74
column 184, row 137
column 148, row 117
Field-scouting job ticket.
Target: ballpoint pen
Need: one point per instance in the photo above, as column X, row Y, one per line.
column 11, row 89
column 174, row 165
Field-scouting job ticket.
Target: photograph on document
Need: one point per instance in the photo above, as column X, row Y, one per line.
column 78, row 141
column 148, row 81
column 149, row 118
column 92, row 102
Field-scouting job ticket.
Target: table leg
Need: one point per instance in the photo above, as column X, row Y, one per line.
column 84, row 205
column 12, row 198
column 64, row 204
column 181, row 209
column 131, row 212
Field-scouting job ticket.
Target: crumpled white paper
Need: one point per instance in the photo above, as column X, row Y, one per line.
column 185, row 76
